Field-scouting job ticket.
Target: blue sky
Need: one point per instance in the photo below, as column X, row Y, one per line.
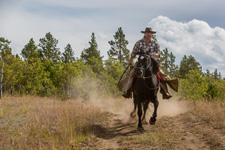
column 185, row 27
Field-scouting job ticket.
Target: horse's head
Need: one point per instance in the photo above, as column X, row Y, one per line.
column 146, row 64
column 142, row 64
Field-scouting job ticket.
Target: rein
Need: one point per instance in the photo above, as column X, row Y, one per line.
column 146, row 84
column 122, row 75
column 149, row 87
column 142, row 68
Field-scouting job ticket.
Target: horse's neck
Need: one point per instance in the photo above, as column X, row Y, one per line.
column 149, row 72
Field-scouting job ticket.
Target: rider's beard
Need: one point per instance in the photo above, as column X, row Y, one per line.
column 147, row 37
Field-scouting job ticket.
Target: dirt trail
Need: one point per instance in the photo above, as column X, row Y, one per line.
column 176, row 128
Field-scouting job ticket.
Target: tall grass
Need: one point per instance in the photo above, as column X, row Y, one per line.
column 38, row 123
column 212, row 113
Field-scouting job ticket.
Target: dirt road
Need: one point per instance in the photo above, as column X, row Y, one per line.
column 177, row 128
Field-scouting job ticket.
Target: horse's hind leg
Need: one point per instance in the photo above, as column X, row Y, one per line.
column 154, row 115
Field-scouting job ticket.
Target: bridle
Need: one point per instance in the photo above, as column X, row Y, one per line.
column 149, row 66
column 143, row 68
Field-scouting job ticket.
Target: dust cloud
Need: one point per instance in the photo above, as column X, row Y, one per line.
column 122, row 107
column 86, row 89
column 171, row 107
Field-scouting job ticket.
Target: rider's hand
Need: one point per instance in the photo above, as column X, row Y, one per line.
column 155, row 54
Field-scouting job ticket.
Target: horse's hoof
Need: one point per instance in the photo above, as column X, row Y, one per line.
column 140, row 129
column 152, row 121
column 132, row 115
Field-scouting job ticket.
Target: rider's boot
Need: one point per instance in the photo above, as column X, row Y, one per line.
column 128, row 94
column 164, row 91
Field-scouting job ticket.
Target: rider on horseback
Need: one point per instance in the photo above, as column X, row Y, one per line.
column 150, row 46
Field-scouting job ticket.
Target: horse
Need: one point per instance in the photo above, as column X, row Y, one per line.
column 145, row 87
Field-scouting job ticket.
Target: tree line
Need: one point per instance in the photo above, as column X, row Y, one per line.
column 44, row 71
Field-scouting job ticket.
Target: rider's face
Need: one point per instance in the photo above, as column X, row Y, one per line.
column 147, row 35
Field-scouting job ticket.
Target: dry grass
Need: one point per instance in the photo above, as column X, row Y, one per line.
column 212, row 113
column 156, row 139
column 41, row 123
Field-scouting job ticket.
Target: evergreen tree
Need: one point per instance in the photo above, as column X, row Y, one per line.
column 91, row 56
column 118, row 48
column 68, row 55
column 165, row 62
column 187, row 64
column 168, row 62
column 92, row 51
column 215, row 74
column 208, row 75
column 49, row 49
column 220, row 76
column 4, row 50
column 172, row 67
column 4, row 47
column 30, row 51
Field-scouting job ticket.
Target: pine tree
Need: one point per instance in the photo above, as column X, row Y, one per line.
column 215, row 74
column 220, row 75
column 4, row 47
column 168, row 63
column 4, row 50
column 187, row 64
column 208, row 75
column 92, row 51
column 173, row 69
column 68, row 55
column 165, row 62
column 30, row 51
column 118, row 48
column 91, row 56
column 49, row 49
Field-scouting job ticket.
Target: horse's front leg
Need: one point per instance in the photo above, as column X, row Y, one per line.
column 133, row 113
column 140, row 127
column 154, row 115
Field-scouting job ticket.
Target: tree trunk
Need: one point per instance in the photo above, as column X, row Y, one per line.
column 1, row 78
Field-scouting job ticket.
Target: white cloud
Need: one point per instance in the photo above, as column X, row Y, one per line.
column 194, row 38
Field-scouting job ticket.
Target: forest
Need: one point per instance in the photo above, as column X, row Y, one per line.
column 42, row 69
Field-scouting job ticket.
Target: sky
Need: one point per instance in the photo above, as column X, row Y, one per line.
column 187, row 27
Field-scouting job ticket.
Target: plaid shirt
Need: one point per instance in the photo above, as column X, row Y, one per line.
column 141, row 46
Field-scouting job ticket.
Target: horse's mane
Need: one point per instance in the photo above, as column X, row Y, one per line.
column 155, row 64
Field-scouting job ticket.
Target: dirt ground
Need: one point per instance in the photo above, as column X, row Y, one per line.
column 176, row 128
column 178, row 125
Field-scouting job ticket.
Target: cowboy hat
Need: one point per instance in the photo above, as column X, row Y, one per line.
column 148, row 30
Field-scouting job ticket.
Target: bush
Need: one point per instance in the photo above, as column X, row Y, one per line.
column 194, row 86
column 197, row 86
